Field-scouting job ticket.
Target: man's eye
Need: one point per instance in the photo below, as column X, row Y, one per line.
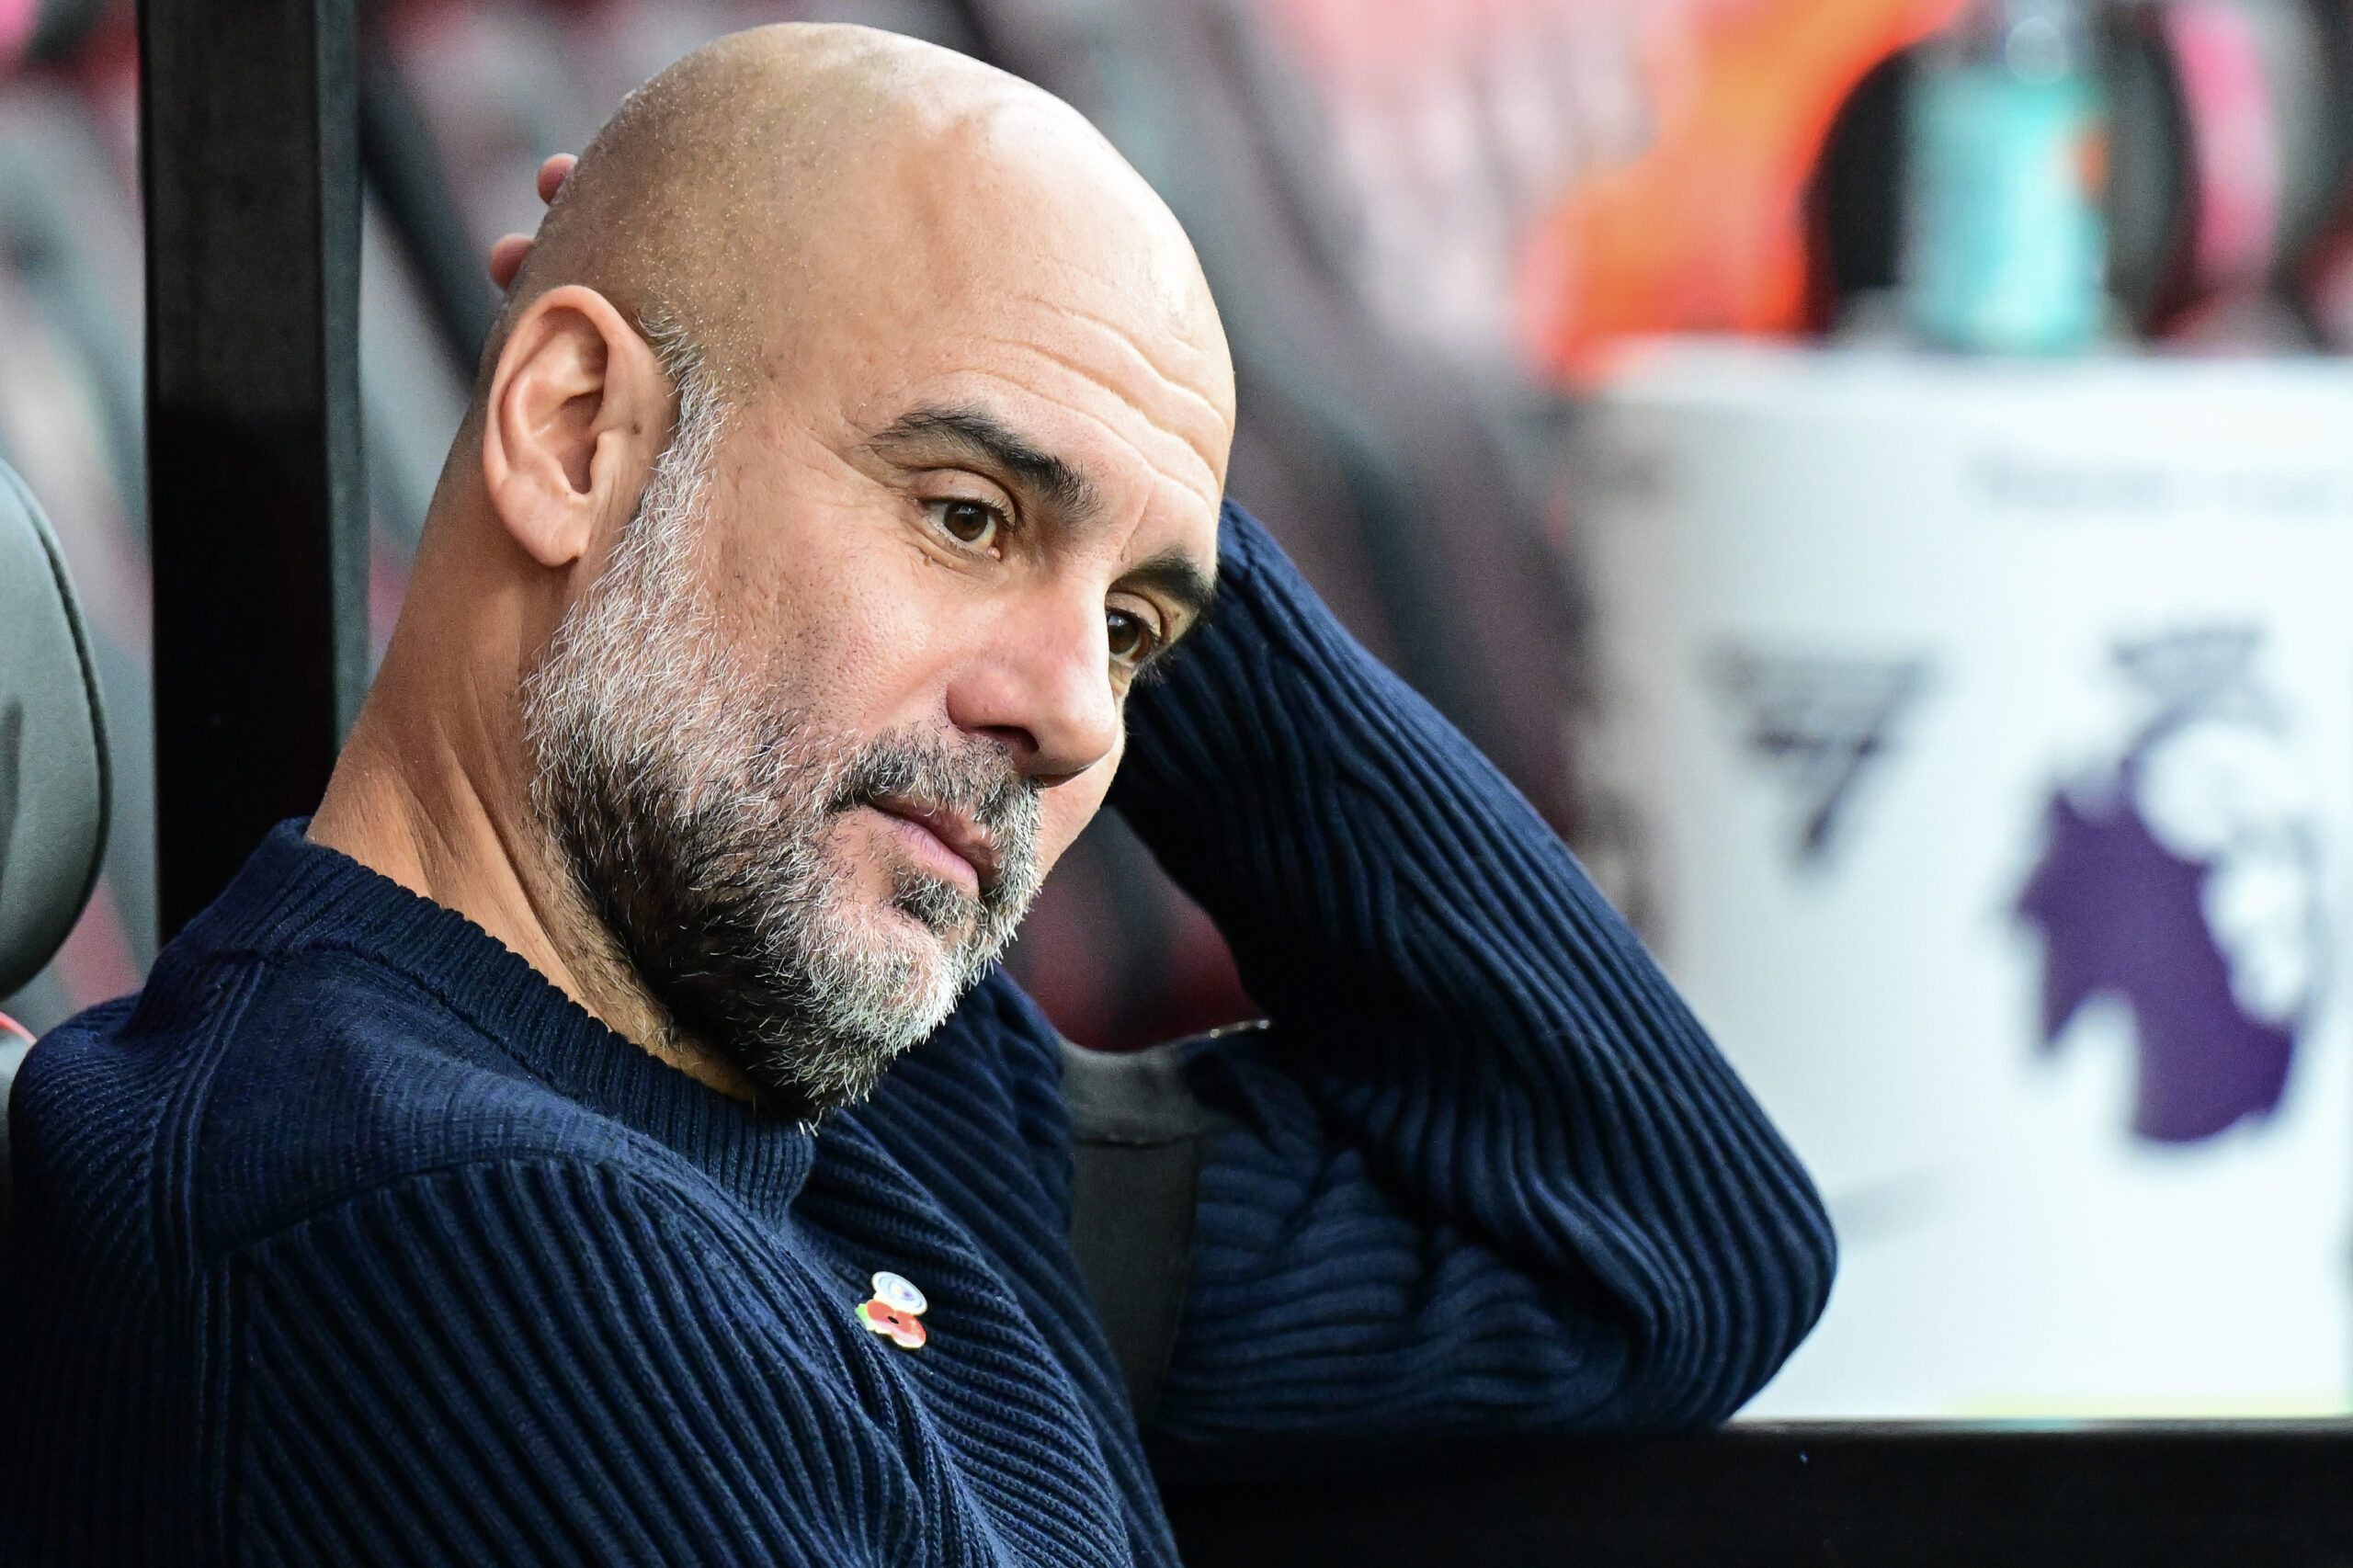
column 971, row 523
column 1133, row 638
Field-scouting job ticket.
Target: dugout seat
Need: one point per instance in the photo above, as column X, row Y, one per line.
column 53, row 783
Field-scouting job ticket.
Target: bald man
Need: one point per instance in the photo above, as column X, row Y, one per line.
column 603, row 1134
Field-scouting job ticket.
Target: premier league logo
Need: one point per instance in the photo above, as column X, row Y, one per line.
column 2182, row 879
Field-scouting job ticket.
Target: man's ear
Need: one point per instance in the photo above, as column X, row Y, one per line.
column 578, row 410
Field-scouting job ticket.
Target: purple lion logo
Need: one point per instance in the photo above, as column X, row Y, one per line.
column 2184, row 882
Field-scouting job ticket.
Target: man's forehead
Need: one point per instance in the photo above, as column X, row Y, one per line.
column 1039, row 141
column 1017, row 223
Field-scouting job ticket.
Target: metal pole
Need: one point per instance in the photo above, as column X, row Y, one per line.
column 250, row 172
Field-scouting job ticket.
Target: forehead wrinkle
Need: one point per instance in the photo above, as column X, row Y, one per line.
column 1127, row 337
column 1089, row 373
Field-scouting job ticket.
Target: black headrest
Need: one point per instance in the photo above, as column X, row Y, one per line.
column 54, row 785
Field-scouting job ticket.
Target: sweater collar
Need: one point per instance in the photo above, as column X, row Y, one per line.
column 294, row 896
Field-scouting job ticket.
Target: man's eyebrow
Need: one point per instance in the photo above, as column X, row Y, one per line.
column 1178, row 576
column 975, row 433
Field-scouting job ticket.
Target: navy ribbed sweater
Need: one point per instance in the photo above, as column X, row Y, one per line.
column 351, row 1239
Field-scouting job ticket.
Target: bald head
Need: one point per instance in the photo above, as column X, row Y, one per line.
column 772, row 175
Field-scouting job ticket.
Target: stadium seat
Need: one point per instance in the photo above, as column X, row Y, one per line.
column 54, row 785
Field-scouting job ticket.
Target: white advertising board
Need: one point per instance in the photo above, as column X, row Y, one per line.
column 1985, row 734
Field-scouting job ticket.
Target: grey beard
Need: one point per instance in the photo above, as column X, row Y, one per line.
column 693, row 816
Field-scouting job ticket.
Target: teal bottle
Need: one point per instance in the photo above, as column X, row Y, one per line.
column 2006, row 242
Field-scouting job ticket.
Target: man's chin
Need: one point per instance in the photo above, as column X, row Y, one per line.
column 886, row 933
column 921, row 963
column 871, row 978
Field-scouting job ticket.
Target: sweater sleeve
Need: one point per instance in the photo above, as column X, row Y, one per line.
column 541, row 1363
column 1484, row 1171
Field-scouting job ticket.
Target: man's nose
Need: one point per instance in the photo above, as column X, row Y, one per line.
column 1040, row 686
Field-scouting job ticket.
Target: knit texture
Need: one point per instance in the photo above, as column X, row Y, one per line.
column 351, row 1239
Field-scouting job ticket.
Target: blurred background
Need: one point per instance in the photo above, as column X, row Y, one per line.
column 1878, row 474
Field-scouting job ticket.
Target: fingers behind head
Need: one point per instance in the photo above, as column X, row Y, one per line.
column 554, row 172
column 507, row 258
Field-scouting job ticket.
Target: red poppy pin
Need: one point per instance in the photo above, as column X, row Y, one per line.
column 896, row 1310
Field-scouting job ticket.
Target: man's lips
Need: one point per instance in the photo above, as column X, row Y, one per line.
column 959, row 848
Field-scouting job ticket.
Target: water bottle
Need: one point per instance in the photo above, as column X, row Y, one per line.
column 2005, row 245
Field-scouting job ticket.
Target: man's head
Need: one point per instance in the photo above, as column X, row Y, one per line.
column 852, row 440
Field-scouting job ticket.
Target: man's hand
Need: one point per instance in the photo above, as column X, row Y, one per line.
column 506, row 256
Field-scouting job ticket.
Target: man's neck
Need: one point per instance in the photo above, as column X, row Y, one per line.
column 465, row 838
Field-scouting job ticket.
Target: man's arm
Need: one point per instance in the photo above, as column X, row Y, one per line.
column 1485, row 1170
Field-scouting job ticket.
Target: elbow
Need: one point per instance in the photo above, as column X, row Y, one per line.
column 1721, row 1332
column 1788, row 1291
